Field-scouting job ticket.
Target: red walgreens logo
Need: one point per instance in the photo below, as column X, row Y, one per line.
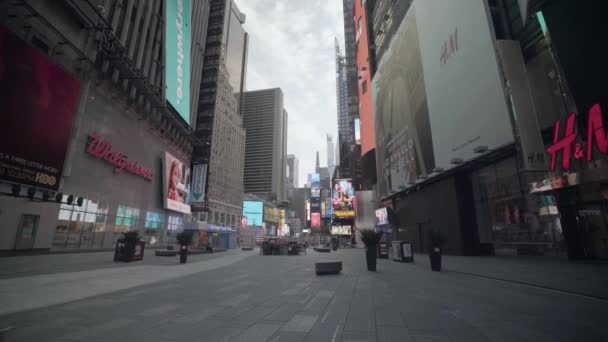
column 102, row 149
column 572, row 149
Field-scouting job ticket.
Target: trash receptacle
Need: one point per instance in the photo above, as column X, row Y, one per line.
column 402, row 251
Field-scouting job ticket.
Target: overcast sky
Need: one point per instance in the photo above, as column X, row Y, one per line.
column 291, row 46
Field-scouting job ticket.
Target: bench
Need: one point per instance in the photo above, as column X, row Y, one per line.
column 328, row 267
column 322, row 249
column 168, row 253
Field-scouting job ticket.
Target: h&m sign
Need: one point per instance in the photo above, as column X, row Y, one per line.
column 570, row 147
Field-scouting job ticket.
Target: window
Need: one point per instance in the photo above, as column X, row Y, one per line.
column 81, row 226
column 364, row 87
column 153, row 225
column 175, row 223
column 127, row 219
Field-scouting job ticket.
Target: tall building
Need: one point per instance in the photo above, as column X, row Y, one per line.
column 105, row 79
column 219, row 127
column 344, row 134
column 350, row 156
column 330, row 154
column 292, row 175
column 365, row 59
column 265, row 121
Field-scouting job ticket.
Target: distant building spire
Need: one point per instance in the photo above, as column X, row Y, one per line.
column 317, row 163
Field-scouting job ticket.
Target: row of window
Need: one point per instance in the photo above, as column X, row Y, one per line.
column 86, row 226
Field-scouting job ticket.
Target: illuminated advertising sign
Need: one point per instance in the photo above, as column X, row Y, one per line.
column 307, row 210
column 177, row 56
column 199, row 183
column 357, row 132
column 315, row 186
column 570, row 149
column 176, row 184
column 38, row 100
column 102, row 149
column 315, row 220
column 381, row 216
column 253, row 212
column 340, row 230
column 343, row 199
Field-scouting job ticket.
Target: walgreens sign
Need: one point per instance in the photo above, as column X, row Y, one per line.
column 570, row 147
column 102, row 149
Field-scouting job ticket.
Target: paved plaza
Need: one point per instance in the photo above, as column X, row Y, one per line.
column 242, row 296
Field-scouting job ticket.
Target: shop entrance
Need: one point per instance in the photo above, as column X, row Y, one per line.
column 26, row 234
column 593, row 229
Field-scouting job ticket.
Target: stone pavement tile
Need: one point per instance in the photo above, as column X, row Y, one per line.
column 253, row 315
column 389, row 316
column 394, row 334
column 360, row 320
column 284, row 312
column 421, row 320
column 352, row 336
column 257, row 332
column 429, row 337
column 300, row 323
column 84, row 332
column 162, row 309
column 288, row 336
column 460, row 330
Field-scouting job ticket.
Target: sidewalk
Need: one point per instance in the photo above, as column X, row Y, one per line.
column 57, row 286
column 551, row 273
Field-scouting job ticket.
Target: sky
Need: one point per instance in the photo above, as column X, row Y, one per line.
column 291, row 46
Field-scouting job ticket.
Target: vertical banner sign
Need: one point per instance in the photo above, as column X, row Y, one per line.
column 177, row 56
column 199, row 183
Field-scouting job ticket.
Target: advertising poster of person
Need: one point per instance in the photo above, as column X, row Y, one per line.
column 38, row 100
column 176, row 184
column 343, row 198
column 381, row 216
column 315, row 220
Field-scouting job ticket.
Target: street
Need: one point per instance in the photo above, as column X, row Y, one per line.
column 242, row 296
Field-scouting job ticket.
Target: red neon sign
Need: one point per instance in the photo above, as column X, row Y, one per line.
column 596, row 135
column 102, row 149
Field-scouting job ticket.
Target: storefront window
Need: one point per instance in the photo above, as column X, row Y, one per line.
column 81, row 226
column 508, row 216
column 153, row 226
column 126, row 219
column 174, row 225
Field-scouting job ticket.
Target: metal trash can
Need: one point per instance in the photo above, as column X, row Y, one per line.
column 402, row 251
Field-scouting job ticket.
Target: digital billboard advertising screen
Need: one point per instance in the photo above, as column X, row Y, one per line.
column 315, row 220
column 176, row 184
column 343, row 199
column 381, row 216
column 315, row 186
column 253, row 212
column 177, row 56
column 38, row 100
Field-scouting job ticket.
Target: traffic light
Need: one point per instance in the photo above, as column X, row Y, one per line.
column 31, row 192
column 16, row 189
column 59, row 197
column 70, row 199
column 79, row 201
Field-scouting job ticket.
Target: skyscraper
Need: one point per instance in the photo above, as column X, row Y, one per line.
column 342, row 98
column 219, row 127
column 330, row 154
column 265, row 120
column 292, row 175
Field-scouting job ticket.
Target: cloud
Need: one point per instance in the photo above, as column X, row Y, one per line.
column 291, row 46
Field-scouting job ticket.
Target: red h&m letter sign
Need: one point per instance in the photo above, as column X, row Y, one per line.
column 595, row 133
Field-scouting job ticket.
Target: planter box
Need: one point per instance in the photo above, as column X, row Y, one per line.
column 125, row 253
column 328, row 267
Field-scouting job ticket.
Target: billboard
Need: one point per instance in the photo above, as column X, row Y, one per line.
column 457, row 48
column 38, row 100
column 341, row 230
column 381, row 216
column 343, row 199
column 357, row 132
column 404, row 147
column 253, row 212
column 177, row 56
column 176, row 184
column 315, row 185
column 327, row 211
column 315, row 220
column 199, row 184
